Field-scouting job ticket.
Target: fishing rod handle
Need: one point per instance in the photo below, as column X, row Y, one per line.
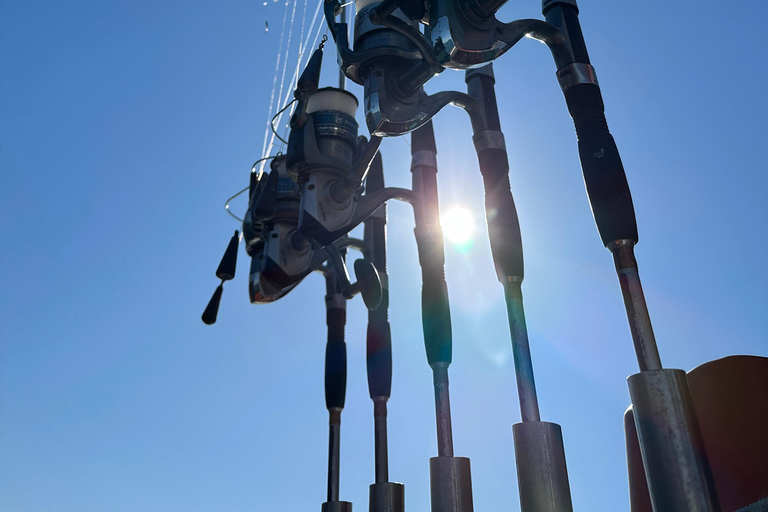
column 604, row 176
column 335, row 352
column 379, row 352
column 601, row 165
column 435, row 306
column 379, row 335
column 501, row 214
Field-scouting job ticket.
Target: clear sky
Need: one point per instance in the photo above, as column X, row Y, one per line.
column 125, row 125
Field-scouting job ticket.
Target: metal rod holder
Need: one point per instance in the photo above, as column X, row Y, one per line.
column 675, row 462
column 336, row 506
column 450, row 484
column 386, row 497
column 541, row 470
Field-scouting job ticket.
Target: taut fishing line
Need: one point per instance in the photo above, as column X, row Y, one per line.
column 300, row 61
column 281, row 67
column 274, row 81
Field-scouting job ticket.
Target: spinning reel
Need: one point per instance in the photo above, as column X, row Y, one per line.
column 281, row 257
column 292, row 227
column 392, row 60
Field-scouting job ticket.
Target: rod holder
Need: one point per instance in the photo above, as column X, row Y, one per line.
column 336, row 506
column 675, row 462
column 386, row 497
column 450, row 484
column 541, row 471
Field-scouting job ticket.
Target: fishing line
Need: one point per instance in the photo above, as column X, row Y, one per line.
column 314, row 44
column 253, row 170
column 272, row 123
column 268, row 148
column 274, row 81
column 295, row 77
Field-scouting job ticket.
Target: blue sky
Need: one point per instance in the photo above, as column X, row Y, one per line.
column 125, row 125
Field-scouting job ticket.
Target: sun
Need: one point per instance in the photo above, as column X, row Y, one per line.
column 457, row 225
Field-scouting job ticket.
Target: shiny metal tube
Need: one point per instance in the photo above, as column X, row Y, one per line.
column 676, row 465
column 450, row 484
column 541, row 471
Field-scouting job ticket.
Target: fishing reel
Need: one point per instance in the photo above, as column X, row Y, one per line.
column 281, row 257
column 392, row 60
column 330, row 162
column 463, row 34
column 466, row 34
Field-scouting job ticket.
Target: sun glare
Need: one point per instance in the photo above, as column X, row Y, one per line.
column 457, row 225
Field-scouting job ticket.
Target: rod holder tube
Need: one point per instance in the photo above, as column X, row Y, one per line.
column 450, row 484
column 541, row 470
column 386, row 497
column 674, row 458
column 336, row 506
column 521, row 351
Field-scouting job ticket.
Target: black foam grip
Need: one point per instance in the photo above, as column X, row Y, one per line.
column 335, row 360
column 436, row 316
column 379, row 357
column 501, row 214
column 604, row 175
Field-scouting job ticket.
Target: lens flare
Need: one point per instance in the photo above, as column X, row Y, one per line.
column 457, row 225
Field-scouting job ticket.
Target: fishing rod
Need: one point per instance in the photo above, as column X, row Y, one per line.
column 385, row 495
column 335, row 386
column 392, row 58
column 323, row 145
column 300, row 215
column 385, row 58
column 450, row 476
